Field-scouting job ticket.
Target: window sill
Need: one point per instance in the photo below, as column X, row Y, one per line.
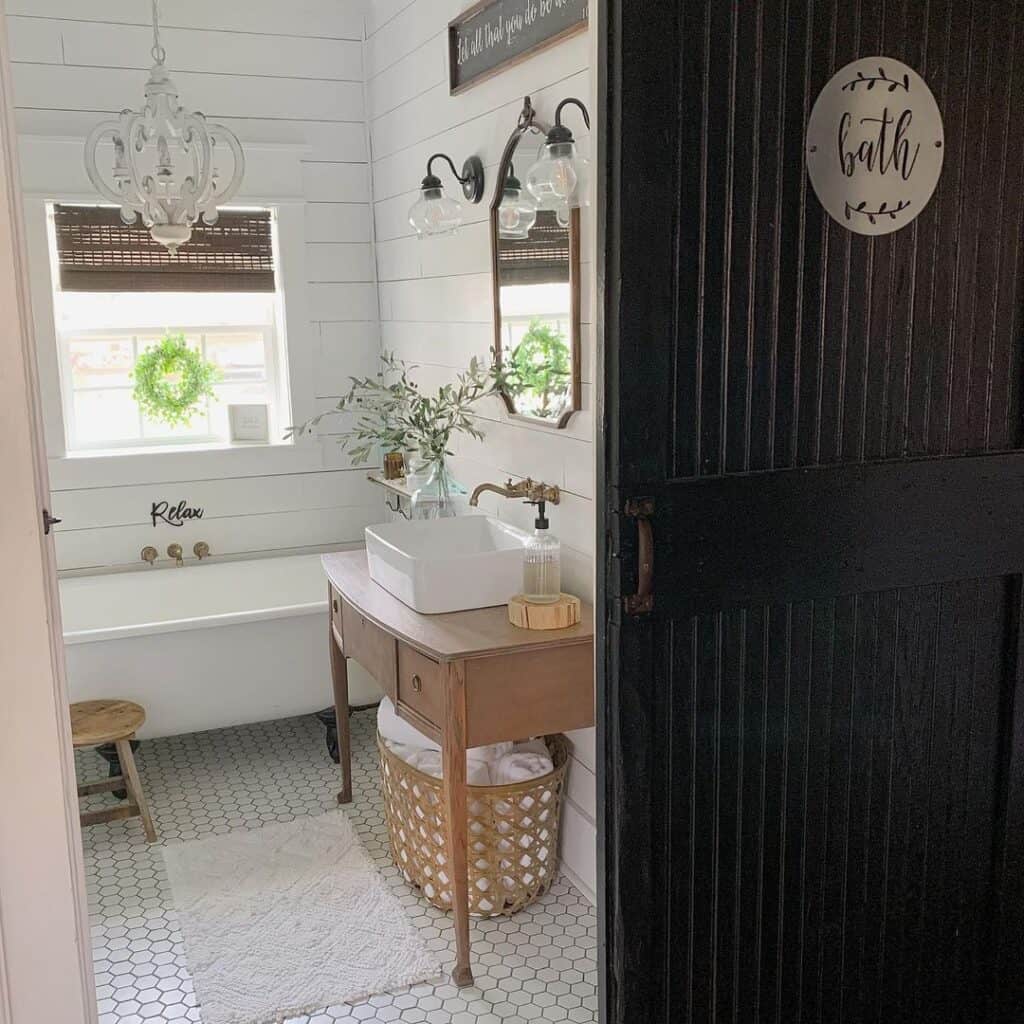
column 171, row 449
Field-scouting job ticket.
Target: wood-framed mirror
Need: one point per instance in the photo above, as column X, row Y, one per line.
column 536, row 274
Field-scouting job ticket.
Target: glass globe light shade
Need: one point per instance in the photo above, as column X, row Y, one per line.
column 517, row 213
column 559, row 177
column 434, row 213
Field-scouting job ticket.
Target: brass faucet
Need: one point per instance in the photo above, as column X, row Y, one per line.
column 532, row 491
column 150, row 554
column 201, row 549
column 174, row 551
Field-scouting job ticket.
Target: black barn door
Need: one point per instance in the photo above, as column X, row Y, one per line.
column 812, row 740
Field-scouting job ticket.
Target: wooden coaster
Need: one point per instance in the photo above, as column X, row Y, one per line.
column 559, row 614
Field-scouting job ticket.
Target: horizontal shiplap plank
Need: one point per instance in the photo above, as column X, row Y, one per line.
column 444, row 256
column 320, row 140
column 339, row 261
column 131, row 506
column 331, row 19
column 422, row 69
column 103, row 45
column 469, row 298
column 169, row 466
column 432, row 111
column 35, row 39
column 342, row 302
column 401, row 35
column 337, row 222
column 56, row 87
column 345, row 350
column 336, row 182
column 54, row 169
column 380, row 12
column 233, row 535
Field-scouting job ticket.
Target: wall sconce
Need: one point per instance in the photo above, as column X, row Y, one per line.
column 434, row 213
column 517, row 212
column 558, row 179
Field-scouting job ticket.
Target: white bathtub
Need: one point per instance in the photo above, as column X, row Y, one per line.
column 205, row 646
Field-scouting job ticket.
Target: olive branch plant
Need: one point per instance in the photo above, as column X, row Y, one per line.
column 391, row 412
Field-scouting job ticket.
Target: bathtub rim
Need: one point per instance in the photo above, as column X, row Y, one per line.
column 216, row 621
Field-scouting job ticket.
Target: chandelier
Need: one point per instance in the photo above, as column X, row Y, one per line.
column 164, row 160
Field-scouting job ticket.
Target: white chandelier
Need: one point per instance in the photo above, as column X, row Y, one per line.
column 165, row 160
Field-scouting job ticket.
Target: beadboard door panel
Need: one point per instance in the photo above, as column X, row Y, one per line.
column 814, row 793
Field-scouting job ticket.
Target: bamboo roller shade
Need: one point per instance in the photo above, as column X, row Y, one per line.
column 98, row 252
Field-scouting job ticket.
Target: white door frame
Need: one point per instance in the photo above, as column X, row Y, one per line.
column 45, row 951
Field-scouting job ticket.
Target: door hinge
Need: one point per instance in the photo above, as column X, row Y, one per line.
column 49, row 522
column 642, row 602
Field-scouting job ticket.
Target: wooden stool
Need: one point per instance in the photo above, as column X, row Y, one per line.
column 94, row 722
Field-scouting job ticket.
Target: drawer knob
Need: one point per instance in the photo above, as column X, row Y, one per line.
column 417, row 684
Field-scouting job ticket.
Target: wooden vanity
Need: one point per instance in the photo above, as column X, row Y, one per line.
column 464, row 679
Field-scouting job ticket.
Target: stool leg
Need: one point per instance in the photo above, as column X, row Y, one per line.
column 131, row 776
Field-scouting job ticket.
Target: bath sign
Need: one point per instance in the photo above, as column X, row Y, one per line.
column 875, row 145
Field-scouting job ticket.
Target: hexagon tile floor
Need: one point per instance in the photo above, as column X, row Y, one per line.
column 539, row 965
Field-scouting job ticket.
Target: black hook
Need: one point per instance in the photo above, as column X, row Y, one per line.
column 576, row 103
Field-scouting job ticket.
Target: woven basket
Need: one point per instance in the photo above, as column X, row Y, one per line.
column 513, row 833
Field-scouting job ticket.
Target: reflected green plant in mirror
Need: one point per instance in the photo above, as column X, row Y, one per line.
column 539, row 368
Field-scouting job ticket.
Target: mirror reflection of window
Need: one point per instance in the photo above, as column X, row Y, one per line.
column 535, row 296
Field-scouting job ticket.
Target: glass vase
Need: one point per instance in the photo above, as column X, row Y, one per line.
column 434, row 499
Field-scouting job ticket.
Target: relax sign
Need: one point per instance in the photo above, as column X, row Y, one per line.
column 875, row 145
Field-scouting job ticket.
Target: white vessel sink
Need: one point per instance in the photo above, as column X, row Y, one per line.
column 447, row 565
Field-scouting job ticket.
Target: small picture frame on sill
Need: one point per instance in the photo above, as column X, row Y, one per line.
column 249, row 424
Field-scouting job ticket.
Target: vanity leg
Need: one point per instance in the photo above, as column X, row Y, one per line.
column 454, row 763
column 339, row 676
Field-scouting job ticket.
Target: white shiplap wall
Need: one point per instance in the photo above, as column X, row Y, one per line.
column 288, row 78
column 435, row 295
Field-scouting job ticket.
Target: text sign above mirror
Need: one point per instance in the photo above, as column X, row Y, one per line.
column 875, row 145
column 493, row 33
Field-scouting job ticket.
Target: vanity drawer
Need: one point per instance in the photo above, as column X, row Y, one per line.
column 368, row 644
column 335, row 611
column 419, row 685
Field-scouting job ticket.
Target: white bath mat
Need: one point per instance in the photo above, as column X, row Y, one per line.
column 289, row 919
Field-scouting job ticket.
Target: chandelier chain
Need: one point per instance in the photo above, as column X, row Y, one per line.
column 158, row 52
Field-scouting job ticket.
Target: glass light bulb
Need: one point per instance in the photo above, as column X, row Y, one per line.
column 517, row 214
column 434, row 213
column 558, row 177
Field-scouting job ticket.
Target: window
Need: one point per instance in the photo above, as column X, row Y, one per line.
column 116, row 294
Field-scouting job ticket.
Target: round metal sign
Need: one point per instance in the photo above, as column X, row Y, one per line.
column 875, row 145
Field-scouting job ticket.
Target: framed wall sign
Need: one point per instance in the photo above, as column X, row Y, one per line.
column 492, row 34
column 875, row 145
column 249, row 424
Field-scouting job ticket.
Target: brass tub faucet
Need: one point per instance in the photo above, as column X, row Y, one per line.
column 174, row 551
column 201, row 549
column 150, row 554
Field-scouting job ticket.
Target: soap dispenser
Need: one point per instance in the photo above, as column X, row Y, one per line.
column 542, row 563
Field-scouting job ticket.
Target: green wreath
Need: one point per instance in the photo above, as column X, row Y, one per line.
column 172, row 379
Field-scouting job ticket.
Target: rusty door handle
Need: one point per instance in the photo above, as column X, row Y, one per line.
column 641, row 509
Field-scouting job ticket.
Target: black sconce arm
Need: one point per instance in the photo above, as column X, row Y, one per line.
column 571, row 100
column 471, row 179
